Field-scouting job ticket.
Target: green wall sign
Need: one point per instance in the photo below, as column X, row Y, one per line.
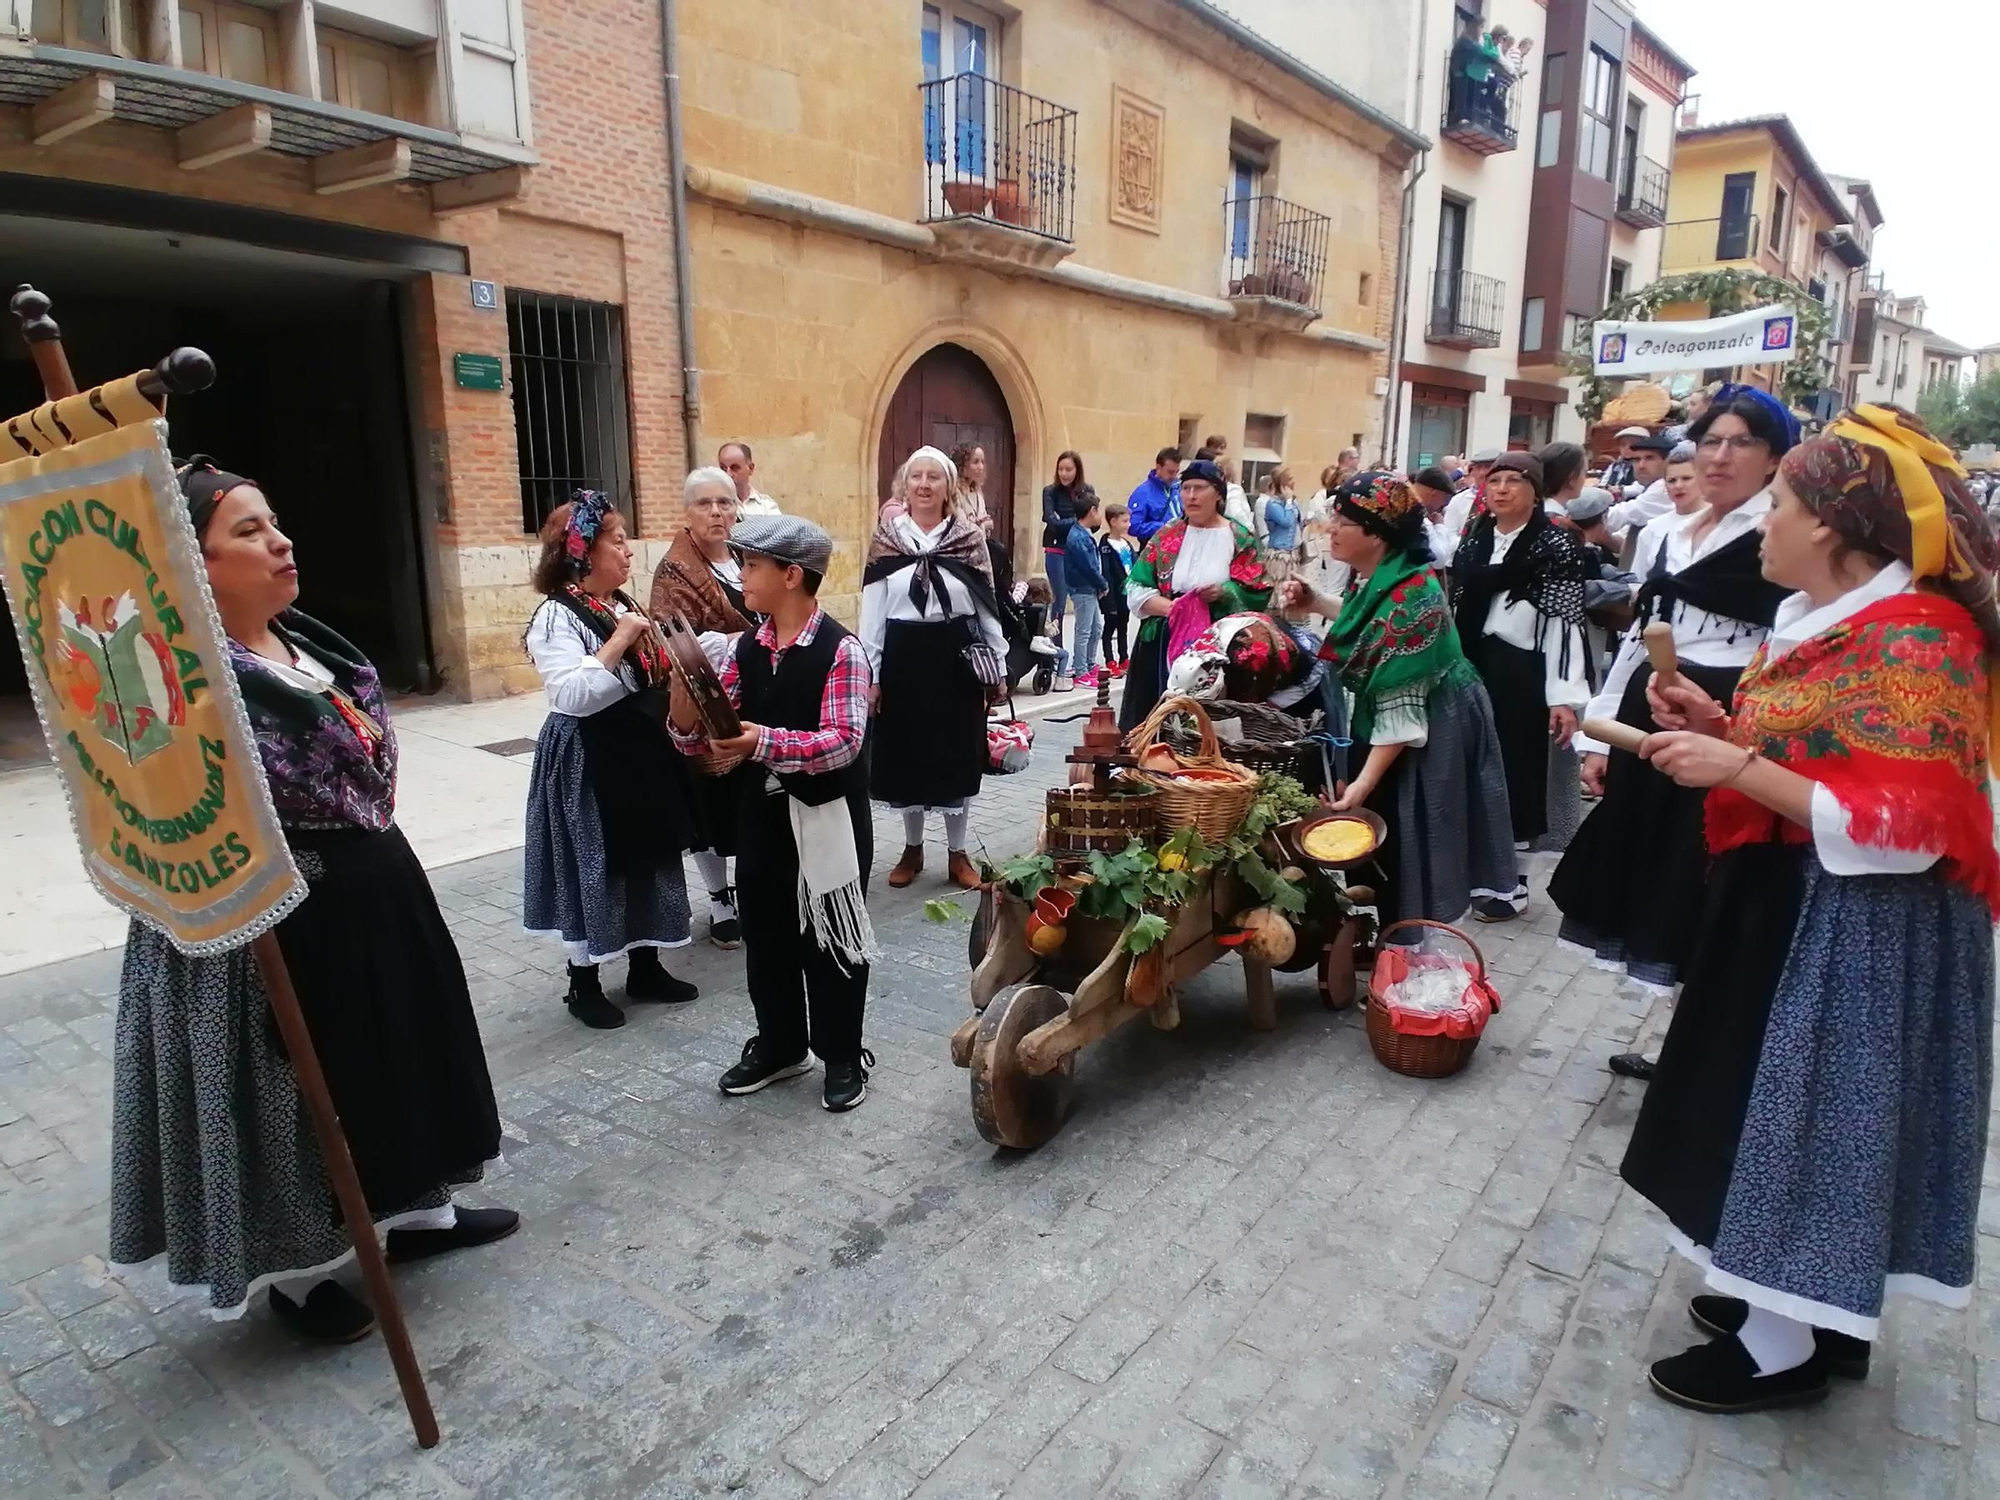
column 478, row 372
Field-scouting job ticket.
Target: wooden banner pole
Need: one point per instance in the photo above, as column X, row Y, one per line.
column 45, row 343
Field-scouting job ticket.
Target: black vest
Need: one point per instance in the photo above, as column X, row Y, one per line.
column 790, row 699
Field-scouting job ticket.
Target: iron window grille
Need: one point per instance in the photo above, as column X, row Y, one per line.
column 572, row 418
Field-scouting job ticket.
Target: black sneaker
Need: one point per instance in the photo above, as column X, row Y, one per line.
column 1494, row 909
column 1721, row 1377
column 475, row 1226
column 758, row 1070
column 1845, row 1355
column 847, row 1083
column 724, row 930
column 331, row 1314
column 646, row 978
column 1637, row 1065
column 587, row 1003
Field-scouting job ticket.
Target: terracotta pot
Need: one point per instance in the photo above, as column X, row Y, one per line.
column 1012, row 203
column 1054, row 906
column 967, row 197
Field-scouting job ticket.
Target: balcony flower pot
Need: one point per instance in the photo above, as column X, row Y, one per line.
column 1012, row 202
column 1291, row 286
column 1253, row 285
column 967, row 197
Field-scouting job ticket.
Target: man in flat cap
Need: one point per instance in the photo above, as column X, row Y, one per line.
column 804, row 843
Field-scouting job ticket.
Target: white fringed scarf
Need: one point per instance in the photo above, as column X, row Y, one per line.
column 831, row 903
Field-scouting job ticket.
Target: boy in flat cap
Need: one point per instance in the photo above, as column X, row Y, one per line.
column 804, row 834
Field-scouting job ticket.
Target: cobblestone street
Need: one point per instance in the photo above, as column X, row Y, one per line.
column 1252, row 1265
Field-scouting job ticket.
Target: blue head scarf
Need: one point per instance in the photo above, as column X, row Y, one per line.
column 587, row 510
column 1787, row 423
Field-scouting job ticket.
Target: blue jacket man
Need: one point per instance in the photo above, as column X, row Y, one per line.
column 1157, row 500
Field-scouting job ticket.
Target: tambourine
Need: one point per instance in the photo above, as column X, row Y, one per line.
column 691, row 664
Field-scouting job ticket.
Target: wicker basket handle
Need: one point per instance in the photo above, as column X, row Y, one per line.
column 1477, row 957
column 1147, row 734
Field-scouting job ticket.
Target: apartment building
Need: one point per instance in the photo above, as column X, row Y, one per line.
column 437, row 302
column 1100, row 225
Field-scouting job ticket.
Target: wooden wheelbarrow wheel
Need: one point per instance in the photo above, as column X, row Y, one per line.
column 1011, row 1106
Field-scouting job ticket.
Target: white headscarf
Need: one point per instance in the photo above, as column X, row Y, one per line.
column 900, row 488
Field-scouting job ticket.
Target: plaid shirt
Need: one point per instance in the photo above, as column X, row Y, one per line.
column 843, row 708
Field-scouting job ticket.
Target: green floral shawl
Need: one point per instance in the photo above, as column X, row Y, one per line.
column 1393, row 642
column 1247, row 591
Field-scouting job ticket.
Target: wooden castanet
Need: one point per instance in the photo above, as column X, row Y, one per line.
column 1618, row 736
column 1659, row 639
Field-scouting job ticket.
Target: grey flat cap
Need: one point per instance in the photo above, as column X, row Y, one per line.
column 1485, row 456
column 1591, row 504
column 785, row 539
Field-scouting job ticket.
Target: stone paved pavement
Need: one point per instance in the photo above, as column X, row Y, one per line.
column 1251, row 1266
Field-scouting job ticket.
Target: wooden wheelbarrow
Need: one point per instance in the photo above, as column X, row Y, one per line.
column 1022, row 1037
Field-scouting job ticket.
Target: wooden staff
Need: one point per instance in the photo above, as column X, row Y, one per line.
column 52, row 364
column 1659, row 638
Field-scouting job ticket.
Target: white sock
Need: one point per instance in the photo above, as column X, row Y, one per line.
column 954, row 828
column 714, row 869
column 1775, row 1342
column 913, row 827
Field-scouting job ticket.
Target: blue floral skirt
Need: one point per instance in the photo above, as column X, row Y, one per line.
column 1817, row 1129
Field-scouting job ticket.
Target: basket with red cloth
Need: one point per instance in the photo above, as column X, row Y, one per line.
column 1427, row 1010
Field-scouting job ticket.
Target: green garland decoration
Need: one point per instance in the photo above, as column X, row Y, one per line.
column 1723, row 292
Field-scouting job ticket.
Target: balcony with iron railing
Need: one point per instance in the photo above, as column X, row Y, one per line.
column 1275, row 261
column 1482, row 114
column 1691, row 243
column 999, row 171
column 1642, row 193
column 1467, row 310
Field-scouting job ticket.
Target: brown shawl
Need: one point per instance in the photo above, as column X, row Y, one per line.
column 683, row 582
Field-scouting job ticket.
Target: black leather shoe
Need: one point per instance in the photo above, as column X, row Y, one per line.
column 759, row 1070
column 1637, row 1065
column 1721, row 1377
column 586, row 1000
column 646, row 978
column 331, row 1314
column 847, row 1083
column 1846, row 1356
column 725, row 930
column 1494, row 909
column 475, row 1226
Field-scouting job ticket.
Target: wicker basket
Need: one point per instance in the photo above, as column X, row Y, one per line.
column 1273, row 742
column 1081, row 818
column 1418, row 1056
column 1212, row 808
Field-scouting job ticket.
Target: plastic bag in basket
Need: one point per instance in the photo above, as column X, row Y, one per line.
column 1429, row 993
column 1010, row 746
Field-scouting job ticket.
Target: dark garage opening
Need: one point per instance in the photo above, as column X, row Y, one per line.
column 310, row 401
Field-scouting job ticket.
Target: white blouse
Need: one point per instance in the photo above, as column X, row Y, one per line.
column 1702, row 638
column 565, row 653
column 1797, row 623
column 1205, row 555
column 1516, row 622
column 889, row 598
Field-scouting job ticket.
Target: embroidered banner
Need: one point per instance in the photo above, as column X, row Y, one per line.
column 1762, row 336
column 131, row 677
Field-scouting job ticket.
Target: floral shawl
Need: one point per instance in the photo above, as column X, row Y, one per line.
column 1888, row 711
column 1247, row 591
column 329, row 756
column 1393, row 642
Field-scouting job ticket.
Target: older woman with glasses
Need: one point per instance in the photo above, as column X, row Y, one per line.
column 701, row 580
column 1630, row 887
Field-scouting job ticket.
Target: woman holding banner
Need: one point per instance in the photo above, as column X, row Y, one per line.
column 214, row 1163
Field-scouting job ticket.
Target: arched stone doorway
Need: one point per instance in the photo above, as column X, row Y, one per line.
column 949, row 397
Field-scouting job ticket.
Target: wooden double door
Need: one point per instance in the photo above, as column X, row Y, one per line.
column 949, row 397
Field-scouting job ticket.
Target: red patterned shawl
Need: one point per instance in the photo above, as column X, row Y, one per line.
column 1888, row 711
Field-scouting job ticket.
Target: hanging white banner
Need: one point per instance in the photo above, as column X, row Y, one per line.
column 1764, row 335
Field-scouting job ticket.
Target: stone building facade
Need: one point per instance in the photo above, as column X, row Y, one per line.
column 430, row 243
column 1100, row 225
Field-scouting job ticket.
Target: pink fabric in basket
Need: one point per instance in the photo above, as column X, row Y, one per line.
column 1187, row 622
column 1393, row 966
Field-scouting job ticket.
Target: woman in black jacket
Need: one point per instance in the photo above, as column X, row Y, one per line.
column 1059, row 508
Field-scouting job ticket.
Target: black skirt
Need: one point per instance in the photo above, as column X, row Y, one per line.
column 929, row 744
column 1518, row 686
column 1631, row 886
column 1683, row 1146
column 384, row 994
column 1145, row 674
column 715, row 803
